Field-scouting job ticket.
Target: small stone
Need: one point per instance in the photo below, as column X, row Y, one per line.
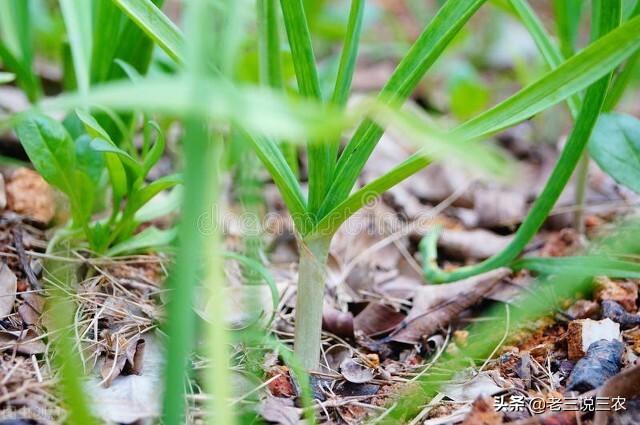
column 29, row 195
column 614, row 311
column 601, row 362
column 582, row 333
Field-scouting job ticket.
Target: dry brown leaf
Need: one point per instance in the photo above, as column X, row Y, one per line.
column 356, row 372
column 31, row 309
column 111, row 368
column 434, row 306
column 23, row 342
column 583, row 309
column 133, row 397
column 499, row 207
column 624, row 384
column 624, row 293
column 279, row 411
column 8, row 288
column 467, row 389
column 29, row 195
column 129, row 361
column 483, row 413
column 3, row 193
column 377, row 318
column 337, row 322
column 472, row 244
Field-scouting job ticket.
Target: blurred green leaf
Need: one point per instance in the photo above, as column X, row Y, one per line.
column 590, row 265
column 6, row 77
column 615, row 146
column 468, row 95
column 256, row 109
column 77, row 18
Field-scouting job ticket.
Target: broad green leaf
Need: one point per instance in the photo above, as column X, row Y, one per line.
column 149, row 238
column 86, row 190
column 156, row 25
column 118, row 178
column 615, row 146
column 6, row 77
column 102, row 143
column 591, row 265
column 50, row 149
column 90, row 161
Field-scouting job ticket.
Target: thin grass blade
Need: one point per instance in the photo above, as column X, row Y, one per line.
column 451, row 17
column 321, row 159
column 156, row 25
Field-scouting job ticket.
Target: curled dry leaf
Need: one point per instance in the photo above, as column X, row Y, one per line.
column 8, row 288
column 354, row 371
column 133, row 397
column 3, row 193
column 337, row 322
column 279, row 411
column 128, row 361
column 377, row 318
column 435, row 306
column 499, row 207
column 31, row 308
column 23, row 342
